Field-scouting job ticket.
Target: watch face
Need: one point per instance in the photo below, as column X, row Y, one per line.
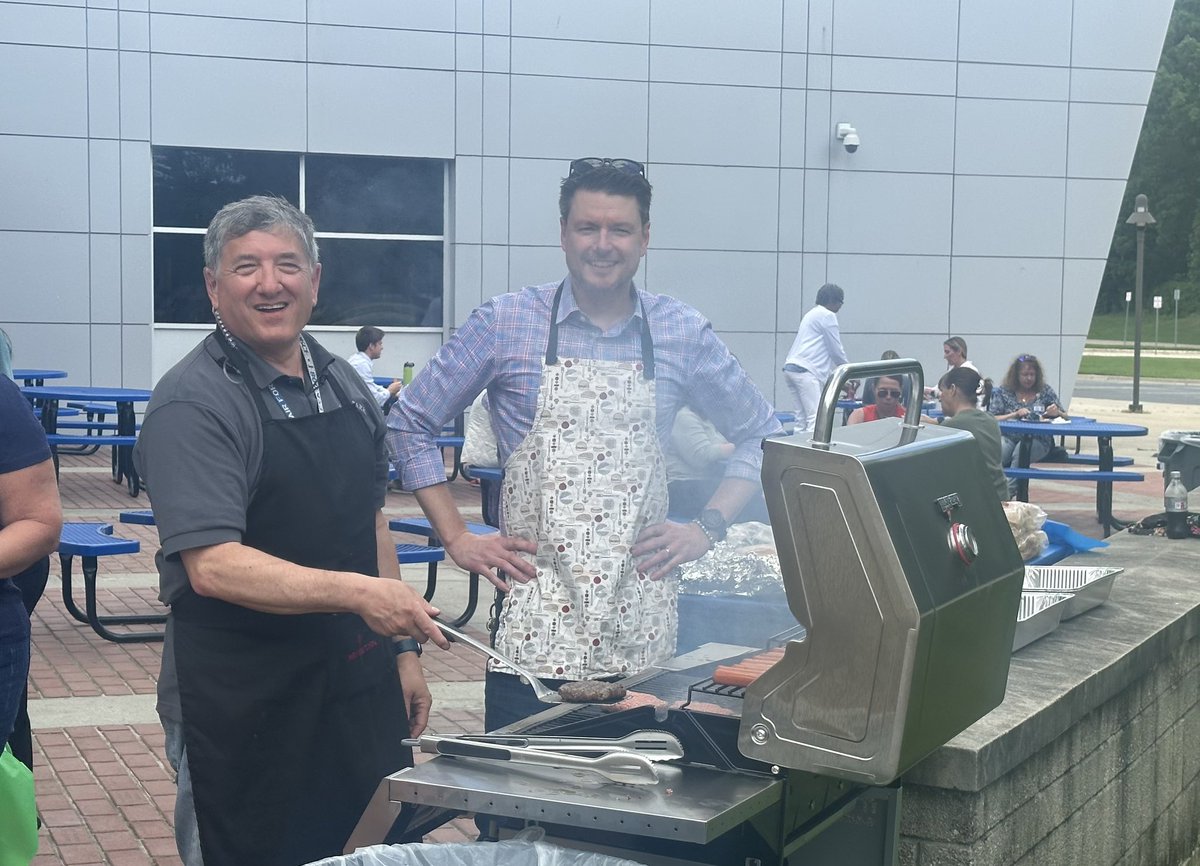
column 713, row 521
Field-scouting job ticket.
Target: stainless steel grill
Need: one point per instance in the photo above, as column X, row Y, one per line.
column 896, row 555
column 897, row 558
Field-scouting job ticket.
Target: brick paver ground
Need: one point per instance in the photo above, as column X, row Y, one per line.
column 106, row 793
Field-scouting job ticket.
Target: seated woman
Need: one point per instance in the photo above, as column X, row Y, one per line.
column 868, row 392
column 1025, row 396
column 887, row 403
column 960, row 392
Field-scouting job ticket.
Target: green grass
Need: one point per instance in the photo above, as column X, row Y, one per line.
column 1152, row 367
column 1112, row 326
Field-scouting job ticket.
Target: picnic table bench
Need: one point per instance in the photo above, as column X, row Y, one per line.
column 90, row 541
column 422, row 527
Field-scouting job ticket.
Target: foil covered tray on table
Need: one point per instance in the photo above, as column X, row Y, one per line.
column 1039, row 614
column 1089, row 585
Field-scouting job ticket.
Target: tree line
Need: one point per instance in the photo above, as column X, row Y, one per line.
column 1166, row 167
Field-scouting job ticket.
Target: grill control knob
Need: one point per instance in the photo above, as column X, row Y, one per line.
column 962, row 542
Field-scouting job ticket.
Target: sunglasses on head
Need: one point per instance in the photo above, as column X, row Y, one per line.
column 888, row 392
column 591, row 163
column 1026, row 358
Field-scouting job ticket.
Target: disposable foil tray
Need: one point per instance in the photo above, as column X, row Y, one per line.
column 1039, row 614
column 1090, row 585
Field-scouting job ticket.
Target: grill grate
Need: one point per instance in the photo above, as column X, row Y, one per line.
column 708, row 686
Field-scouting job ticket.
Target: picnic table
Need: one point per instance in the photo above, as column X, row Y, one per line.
column 1103, row 476
column 31, row 376
column 49, row 397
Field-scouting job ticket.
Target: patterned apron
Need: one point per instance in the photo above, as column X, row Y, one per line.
column 584, row 482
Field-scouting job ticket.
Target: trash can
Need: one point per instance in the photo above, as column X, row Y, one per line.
column 1179, row 451
column 524, row 849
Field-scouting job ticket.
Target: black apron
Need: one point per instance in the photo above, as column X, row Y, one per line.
column 292, row 721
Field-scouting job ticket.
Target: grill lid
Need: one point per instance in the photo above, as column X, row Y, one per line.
column 896, row 555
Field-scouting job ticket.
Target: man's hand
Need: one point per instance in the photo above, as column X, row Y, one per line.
column 391, row 607
column 664, row 546
column 394, row 388
column 417, row 698
column 485, row 554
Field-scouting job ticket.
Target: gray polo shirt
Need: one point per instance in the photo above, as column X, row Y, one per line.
column 200, row 455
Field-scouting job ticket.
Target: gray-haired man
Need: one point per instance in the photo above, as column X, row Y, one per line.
column 265, row 462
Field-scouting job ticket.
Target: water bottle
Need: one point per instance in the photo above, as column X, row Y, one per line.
column 1175, row 503
column 409, row 369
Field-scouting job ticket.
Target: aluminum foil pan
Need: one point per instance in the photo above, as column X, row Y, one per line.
column 1039, row 614
column 1090, row 585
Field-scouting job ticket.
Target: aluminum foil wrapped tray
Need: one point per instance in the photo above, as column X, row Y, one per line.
column 1039, row 614
column 1090, row 585
column 744, row 565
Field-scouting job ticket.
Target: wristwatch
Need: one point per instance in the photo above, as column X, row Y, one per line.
column 406, row 645
column 712, row 522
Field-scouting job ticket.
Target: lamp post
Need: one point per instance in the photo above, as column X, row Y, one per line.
column 1140, row 218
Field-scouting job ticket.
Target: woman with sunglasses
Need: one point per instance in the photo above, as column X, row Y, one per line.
column 1025, row 396
column 960, row 392
column 887, row 402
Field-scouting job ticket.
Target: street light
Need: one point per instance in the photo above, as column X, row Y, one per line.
column 1140, row 218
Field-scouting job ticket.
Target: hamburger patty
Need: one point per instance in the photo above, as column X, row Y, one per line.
column 591, row 692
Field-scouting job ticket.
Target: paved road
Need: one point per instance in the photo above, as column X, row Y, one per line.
column 1151, row 390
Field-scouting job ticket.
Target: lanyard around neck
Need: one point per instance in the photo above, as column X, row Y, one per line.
column 308, row 363
column 312, row 377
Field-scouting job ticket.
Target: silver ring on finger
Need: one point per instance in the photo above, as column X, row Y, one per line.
column 668, row 551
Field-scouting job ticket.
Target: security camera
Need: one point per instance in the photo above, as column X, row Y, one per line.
column 848, row 136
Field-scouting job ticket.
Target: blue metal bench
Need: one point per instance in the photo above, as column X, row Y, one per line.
column 140, row 516
column 58, row 440
column 89, row 541
column 1094, row 475
column 1087, row 460
column 1102, row 479
column 421, row 526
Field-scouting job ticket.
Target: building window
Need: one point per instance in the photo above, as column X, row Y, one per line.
column 380, row 228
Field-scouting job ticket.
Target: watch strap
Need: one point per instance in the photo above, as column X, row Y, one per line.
column 406, row 645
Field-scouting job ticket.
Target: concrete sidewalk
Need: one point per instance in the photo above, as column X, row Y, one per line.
column 104, row 788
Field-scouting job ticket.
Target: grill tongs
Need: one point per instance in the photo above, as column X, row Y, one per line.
column 653, row 745
column 620, row 765
column 541, row 691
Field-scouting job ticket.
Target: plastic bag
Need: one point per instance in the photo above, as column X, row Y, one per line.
column 1025, row 520
column 524, row 849
column 18, row 812
column 479, row 439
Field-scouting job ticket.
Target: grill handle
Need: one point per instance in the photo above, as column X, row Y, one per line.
column 823, row 426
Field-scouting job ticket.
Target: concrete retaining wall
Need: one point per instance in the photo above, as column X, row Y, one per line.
column 1094, row 756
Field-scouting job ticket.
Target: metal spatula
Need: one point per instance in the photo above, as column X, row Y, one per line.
column 653, row 745
column 541, row 691
column 544, row 693
column 626, row 767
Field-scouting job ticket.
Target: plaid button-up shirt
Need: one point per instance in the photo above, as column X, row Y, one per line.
column 502, row 347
